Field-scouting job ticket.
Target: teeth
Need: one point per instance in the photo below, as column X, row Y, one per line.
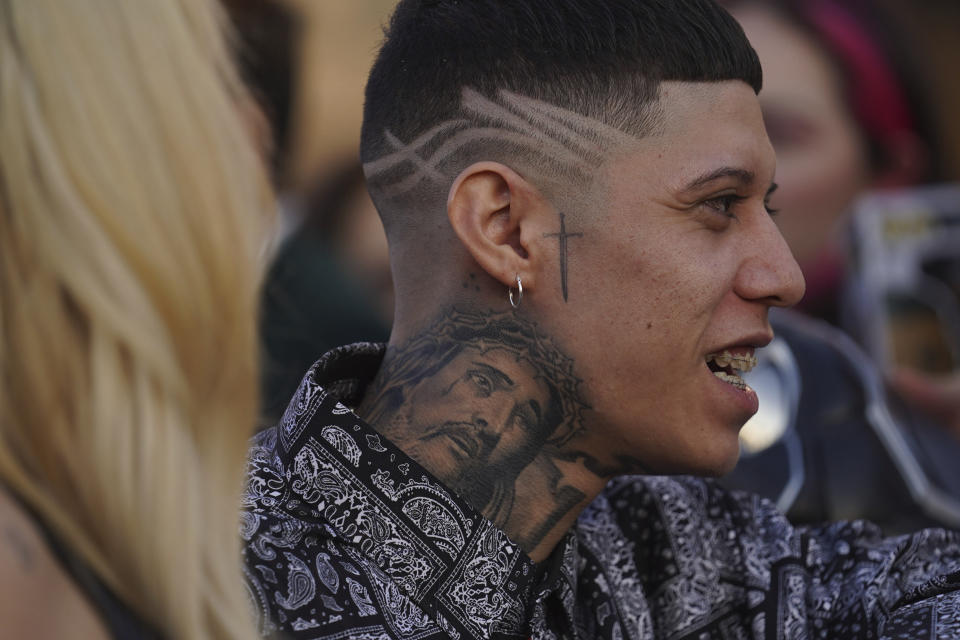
column 740, row 362
column 734, row 380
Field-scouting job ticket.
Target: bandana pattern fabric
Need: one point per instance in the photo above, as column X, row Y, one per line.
column 347, row 537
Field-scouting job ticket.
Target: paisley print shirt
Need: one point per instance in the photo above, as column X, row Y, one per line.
column 347, row 537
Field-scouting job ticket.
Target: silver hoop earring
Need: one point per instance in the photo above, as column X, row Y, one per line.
column 516, row 303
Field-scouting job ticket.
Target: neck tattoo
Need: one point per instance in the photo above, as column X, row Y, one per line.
column 493, row 408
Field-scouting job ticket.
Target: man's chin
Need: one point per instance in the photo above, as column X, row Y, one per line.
column 723, row 468
column 721, row 464
column 708, row 464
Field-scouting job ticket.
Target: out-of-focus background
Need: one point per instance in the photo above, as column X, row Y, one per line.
column 339, row 39
column 932, row 30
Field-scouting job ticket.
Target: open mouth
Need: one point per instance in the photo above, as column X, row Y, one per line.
column 728, row 367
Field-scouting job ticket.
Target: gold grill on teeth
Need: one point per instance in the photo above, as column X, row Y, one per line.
column 739, row 362
column 734, row 380
column 736, row 363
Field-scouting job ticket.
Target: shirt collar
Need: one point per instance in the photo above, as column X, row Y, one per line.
column 446, row 557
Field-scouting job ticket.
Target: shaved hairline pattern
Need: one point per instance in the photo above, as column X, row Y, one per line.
column 572, row 144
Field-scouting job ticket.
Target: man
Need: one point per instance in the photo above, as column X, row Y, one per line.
column 574, row 192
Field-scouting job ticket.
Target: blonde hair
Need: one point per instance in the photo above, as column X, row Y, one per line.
column 132, row 216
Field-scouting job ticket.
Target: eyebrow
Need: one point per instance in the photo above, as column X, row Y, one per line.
column 531, row 411
column 743, row 176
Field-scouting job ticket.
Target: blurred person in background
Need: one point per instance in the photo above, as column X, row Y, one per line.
column 268, row 35
column 329, row 283
column 133, row 211
column 845, row 112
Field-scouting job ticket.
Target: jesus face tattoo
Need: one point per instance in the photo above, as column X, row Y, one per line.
column 488, row 410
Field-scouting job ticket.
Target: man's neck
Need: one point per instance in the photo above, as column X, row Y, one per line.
column 492, row 408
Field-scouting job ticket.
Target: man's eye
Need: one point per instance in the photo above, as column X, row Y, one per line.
column 523, row 422
column 723, row 204
column 482, row 382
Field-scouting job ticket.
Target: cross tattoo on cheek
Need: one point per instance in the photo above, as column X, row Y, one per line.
column 562, row 236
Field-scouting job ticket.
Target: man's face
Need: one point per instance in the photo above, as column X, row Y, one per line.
column 484, row 410
column 678, row 260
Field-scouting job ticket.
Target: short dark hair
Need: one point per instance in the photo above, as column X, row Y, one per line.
column 603, row 59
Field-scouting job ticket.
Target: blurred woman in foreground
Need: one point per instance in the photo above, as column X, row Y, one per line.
column 131, row 224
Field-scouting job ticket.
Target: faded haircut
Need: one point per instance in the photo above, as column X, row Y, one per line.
column 546, row 84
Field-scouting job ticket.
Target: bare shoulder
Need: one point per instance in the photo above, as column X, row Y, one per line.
column 37, row 598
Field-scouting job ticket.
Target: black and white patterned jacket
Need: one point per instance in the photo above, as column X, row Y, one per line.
column 347, row 537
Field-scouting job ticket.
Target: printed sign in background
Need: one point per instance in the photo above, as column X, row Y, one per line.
column 905, row 282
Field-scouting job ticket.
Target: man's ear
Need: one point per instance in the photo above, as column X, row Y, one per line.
column 491, row 208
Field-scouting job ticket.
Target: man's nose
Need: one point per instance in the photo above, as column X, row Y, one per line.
column 494, row 417
column 487, row 435
column 769, row 273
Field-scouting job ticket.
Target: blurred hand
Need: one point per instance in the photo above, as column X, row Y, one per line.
column 937, row 396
